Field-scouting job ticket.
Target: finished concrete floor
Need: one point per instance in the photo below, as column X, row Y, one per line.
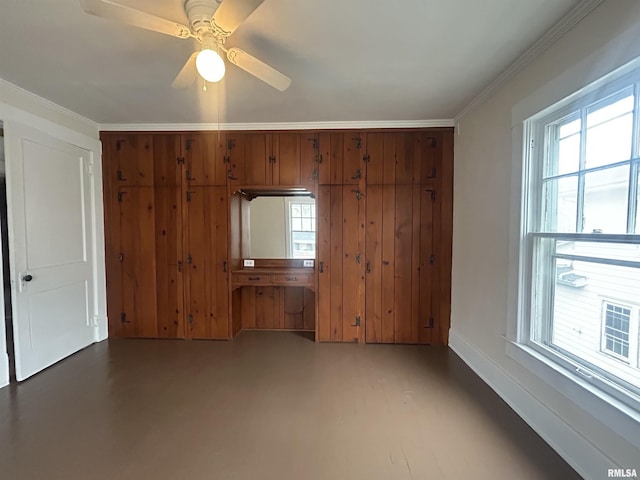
column 267, row 406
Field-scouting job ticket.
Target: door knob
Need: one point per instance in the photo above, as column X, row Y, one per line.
column 27, row 278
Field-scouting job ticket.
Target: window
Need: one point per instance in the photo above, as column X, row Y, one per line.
column 301, row 231
column 616, row 331
column 581, row 237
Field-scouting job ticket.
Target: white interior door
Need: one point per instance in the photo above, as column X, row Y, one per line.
column 49, row 200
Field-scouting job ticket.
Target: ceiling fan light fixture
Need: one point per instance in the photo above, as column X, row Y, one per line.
column 210, row 65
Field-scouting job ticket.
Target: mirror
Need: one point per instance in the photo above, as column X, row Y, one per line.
column 282, row 227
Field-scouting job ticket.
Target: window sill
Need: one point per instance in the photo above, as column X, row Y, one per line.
column 621, row 418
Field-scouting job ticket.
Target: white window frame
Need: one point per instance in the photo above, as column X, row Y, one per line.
column 287, row 216
column 633, row 359
column 595, row 394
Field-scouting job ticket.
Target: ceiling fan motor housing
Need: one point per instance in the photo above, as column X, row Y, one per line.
column 199, row 13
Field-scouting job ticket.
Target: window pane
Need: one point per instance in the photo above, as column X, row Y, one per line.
column 296, row 224
column 638, row 206
column 594, row 307
column 609, row 142
column 560, row 201
column 307, row 225
column 569, row 128
column 295, row 210
column 597, row 114
column 605, row 201
column 306, row 210
column 569, row 154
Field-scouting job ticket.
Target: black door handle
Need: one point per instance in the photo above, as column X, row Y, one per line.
column 27, row 278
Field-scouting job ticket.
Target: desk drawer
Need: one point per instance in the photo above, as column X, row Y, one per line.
column 293, row 279
column 251, row 279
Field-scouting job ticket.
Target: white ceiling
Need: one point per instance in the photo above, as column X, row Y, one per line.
column 350, row 60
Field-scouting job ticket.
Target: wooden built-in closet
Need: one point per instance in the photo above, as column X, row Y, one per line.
column 384, row 223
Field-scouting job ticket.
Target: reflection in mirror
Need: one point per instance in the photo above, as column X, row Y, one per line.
column 282, row 227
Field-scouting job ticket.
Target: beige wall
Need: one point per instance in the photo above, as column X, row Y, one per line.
column 267, row 220
column 484, row 159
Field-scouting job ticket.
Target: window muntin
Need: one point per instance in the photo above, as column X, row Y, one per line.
column 583, row 198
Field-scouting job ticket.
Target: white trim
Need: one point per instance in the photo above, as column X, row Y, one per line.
column 576, row 450
column 172, row 127
column 555, row 33
column 39, row 101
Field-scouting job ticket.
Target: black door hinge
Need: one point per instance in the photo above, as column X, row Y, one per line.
column 429, row 323
column 226, row 159
column 358, row 141
column 180, row 160
column 272, row 159
column 357, row 175
column 188, row 175
column 357, row 324
column 433, row 193
column 314, row 142
column 121, row 196
column 123, row 318
column 119, row 144
column 358, row 194
column 358, row 258
column 189, row 259
column 120, row 177
column 433, row 173
column 189, row 194
column 366, row 158
column 321, row 267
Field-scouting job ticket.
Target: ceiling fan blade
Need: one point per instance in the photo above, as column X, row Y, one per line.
column 231, row 13
column 137, row 18
column 258, row 69
column 188, row 74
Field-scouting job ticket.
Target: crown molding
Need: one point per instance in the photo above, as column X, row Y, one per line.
column 42, row 102
column 172, row 127
column 555, row 33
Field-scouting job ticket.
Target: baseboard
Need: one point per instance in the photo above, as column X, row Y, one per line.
column 577, row 451
column 4, row 372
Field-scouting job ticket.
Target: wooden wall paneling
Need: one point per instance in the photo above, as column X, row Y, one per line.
column 112, row 236
column 402, row 265
column 133, row 155
column 309, row 310
column 137, row 227
column 207, row 281
column 326, row 170
column 388, row 263
column 325, row 269
column 352, row 266
column 309, row 159
column 352, row 164
column 168, row 236
column 218, row 299
column 416, row 297
column 336, row 262
column 257, row 167
column 236, row 158
column 373, row 267
column 427, row 155
column 248, row 301
column 404, row 174
column 267, row 307
column 336, row 158
column 204, row 158
column 293, row 307
column 374, row 152
column 427, row 294
column 445, row 226
column 286, row 158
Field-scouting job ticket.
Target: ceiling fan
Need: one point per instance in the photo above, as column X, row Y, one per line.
column 211, row 22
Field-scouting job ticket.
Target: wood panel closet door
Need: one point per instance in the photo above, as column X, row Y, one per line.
column 138, row 315
column 398, row 250
column 285, row 158
column 341, row 158
column 341, row 265
column 133, row 156
column 168, row 236
column 206, row 282
column 309, row 159
column 204, row 158
column 249, row 159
